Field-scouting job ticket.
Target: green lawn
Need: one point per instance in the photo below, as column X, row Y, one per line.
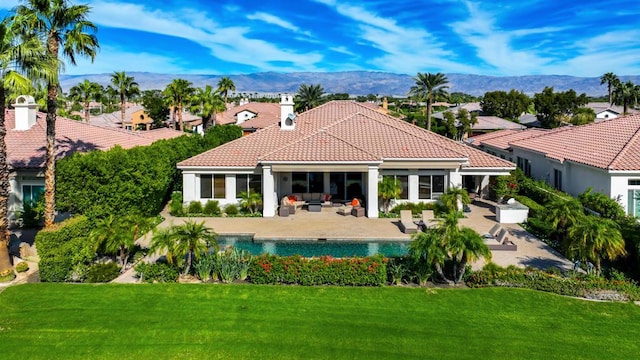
column 291, row 322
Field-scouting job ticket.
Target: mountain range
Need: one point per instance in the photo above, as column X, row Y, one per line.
column 361, row 82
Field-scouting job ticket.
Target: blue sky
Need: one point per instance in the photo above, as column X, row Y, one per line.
column 525, row 37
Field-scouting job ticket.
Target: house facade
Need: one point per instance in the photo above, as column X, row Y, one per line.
column 604, row 156
column 251, row 116
column 26, row 139
column 341, row 148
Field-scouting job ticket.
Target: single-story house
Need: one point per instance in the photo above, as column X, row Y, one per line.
column 251, row 116
column 26, row 139
column 497, row 143
column 341, row 148
column 604, row 156
column 486, row 123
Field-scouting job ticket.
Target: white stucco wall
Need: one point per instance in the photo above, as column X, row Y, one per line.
column 243, row 116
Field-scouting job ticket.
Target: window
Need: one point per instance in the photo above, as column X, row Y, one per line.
column 32, row 193
column 557, row 179
column 633, row 207
column 212, row 186
column 403, row 180
column 299, row 182
column 248, row 183
column 634, row 182
column 430, row 186
column 307, row 182
column 525, row 165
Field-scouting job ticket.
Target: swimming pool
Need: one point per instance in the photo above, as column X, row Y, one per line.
column 316, row 248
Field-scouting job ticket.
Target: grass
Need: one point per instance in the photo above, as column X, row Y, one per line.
column 185, row 321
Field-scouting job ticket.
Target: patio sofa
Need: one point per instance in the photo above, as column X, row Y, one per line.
column 299, row 199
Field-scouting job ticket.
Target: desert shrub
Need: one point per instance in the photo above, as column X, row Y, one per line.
column 65, row 250
column 325, row 270
column 204, row 266
column 102, row 273
column 231, row 209
column 416, row 208
column 212, row 207
column 175, row 207
column 22, row 267
column 195, row 207
column 7, row 275
column 156, row 272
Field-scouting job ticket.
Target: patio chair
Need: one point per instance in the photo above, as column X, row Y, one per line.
column 345, row 210
column 427, row 218
column 493, row 232
column 502, row 236
column 407, row 225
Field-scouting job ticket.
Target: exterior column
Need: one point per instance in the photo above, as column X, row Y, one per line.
column 189, row 187
column 372, row 192
column 484, row 187
column 455, row 179
column 268, row 197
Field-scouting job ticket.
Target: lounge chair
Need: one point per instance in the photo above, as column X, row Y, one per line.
column 407, row 225
column 427, row 218
column 502, row 236
column 493, row 232
column 503, row 242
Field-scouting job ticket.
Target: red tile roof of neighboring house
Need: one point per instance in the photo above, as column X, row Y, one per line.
column 266, row 114
column 342, row 131
column 494, row 122
column 26, row 148
column 611, row 144
column 501, row 139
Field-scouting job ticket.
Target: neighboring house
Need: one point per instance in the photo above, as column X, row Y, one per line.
column 342, row 148
column 529, row 120
column 485, row 123
column 135, row 118
column 605, row 111
column 497, row 143
column 251, row 116
column 26, row 139
column 604, row 156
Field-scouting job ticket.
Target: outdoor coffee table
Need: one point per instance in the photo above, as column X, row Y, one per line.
column 315, row 206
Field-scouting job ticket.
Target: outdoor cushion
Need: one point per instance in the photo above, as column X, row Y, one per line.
column 306, row 196
column 315, row 196
column 293, row 198
column 298, row 196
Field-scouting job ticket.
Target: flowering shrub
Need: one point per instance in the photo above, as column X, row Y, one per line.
column 325, row 270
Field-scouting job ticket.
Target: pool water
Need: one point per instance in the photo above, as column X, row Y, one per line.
column 316, row 248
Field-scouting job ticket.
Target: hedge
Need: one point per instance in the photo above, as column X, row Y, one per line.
column 534, row 207
column 64, row 248
column 325, row 270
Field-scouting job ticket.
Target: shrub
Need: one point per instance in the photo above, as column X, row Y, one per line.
column 231, row 209
column 204, row 266
column 176, row 208
column 218, row 135
column 22, row 267
column 416, row 208
column 102, row 273
column 534, row 207
column 212, row 207
column 602, row 204
column 195, row 207
column 325, row 270
column 156, row 272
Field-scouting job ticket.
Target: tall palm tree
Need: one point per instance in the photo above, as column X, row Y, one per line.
column 593, row 239
column 224, row 86
column 612, row 82
column 126, row 87
column 429, row 87
column 66, row 33
column 19, row 56
column 186, row 241
column 177, row 93
column 207, row 103
column 84, row 92
column 309, row 96
column 626, row 94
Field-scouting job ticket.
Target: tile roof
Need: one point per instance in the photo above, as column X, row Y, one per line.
column 611, row 144
column 494, row 122
column 501, row 139
column 266, row 114
column 342, row 131
column 26, row 148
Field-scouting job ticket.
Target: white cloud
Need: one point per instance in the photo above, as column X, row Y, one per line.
column 230, row 44
column 274, row 20
column 405, row 49
column 9, row 4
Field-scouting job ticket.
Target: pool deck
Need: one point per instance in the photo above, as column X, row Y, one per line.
column 329, row 225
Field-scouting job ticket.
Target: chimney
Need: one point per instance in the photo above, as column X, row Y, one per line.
column 25, row 112
column 287, row 116
column 385, row 103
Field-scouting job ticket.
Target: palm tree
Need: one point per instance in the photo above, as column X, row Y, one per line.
column 429, row 87
column 626, row 94
column 455, row 199
column 207, row 103
column 66, row 33
column 612, row 82
column 109, row 98
column 224, row 86
column 250, row 200
column 309, row 96
column 593, row 239
column 126, row 87
column 84, row 92
column 177, row 93
column 118, row 235
column 389, row 188
column 18, row 56
column 564, row 213
column 449, row 242
column 188, row 240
